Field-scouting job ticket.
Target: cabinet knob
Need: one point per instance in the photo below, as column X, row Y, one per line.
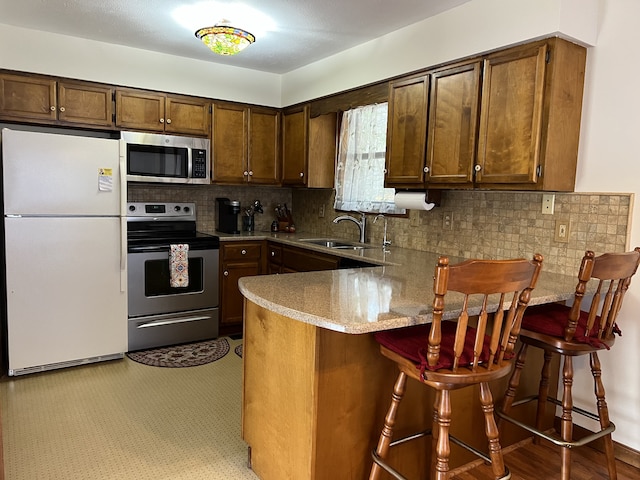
column 162, row 120
column 426, row 169
column 384, row 170
column 62, row 109
column 245, row 173
column 52, row 108
column 226, row 273
column 273, row 254
column 301, row 174
column 477, row 168
column 250, row 173
column 243, row 252
column 168, row 120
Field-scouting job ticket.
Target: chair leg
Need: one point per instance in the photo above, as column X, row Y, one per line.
column 434, row 430
column 382, row 450
column 543, row 393
column 566, row 425
column 491, row 430
column 514, row 381
column 603, row 413
column 443, row 448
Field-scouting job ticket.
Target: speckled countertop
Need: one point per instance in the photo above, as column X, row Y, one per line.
column 398, row 293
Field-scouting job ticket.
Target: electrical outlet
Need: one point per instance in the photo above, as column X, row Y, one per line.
column 548, row 202
column 447, row 220
column 321, row 211
column 563, row 230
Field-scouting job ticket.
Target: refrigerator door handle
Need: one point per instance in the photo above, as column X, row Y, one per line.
column 123, row 216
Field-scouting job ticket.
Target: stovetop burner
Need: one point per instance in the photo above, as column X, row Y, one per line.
column 158, row 225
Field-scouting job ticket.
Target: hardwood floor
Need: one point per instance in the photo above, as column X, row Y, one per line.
column 537, row 462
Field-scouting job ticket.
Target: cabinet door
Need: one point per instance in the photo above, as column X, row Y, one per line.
column 453, row 125
column 407, row 132
column 295, row 147
column 264, row 146
column 140, row 110
column 323, row 138
column 86, row 104
column 229, row 143
column 511, row 116
column 27, row 98
column 187, row 115
column 231, row 299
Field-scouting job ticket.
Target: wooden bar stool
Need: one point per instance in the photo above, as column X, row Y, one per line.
column 448, row 355
column 569, row 332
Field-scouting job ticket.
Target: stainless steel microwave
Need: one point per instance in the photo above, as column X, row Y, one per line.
column 160, row 158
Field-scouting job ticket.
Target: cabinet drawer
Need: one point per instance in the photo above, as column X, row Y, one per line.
column 299, row 260
column 241, row 251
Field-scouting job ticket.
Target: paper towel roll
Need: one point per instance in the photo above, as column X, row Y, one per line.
column 412, row 201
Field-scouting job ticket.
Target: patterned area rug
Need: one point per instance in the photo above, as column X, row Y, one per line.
column 188, row 355
column 238, row 350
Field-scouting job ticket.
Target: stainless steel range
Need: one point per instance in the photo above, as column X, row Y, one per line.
column 161, row 314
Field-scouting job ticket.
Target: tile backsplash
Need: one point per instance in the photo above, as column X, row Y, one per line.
column 489, row 224
column 486, row 224
column 205, row 198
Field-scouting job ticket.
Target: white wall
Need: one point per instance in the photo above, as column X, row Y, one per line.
column 609, row 129
column 40, row 52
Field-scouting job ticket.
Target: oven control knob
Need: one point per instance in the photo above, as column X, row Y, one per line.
column 187, row 209
column 132, row 208
column 177, row 208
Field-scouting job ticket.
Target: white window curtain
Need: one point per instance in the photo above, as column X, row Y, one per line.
column 360, row 169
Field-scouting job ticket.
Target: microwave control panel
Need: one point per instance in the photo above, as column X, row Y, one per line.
column 199, row 163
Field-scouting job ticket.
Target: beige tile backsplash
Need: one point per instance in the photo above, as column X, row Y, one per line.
column 490, row 225
column 485, row 224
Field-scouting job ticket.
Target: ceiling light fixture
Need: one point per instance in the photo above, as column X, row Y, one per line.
column 224, row 39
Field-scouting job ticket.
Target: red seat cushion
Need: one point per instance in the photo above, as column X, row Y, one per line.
column 412, row 343
column 551, row 319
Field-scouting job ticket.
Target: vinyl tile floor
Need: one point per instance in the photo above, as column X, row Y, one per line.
column 127, row 421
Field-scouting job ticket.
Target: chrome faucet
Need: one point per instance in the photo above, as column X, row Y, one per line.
column 362, row 223
column 385, row 242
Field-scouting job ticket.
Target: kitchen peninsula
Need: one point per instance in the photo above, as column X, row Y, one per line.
column 315, row 387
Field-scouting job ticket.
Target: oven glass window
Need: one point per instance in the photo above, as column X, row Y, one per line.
column 156, row 161
column 157, row 280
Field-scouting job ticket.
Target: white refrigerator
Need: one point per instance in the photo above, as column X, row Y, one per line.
column 65, row 250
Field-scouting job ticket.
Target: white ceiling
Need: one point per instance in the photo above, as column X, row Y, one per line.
column 305, row 30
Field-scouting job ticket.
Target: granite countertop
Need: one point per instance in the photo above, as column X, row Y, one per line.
column 398, row 293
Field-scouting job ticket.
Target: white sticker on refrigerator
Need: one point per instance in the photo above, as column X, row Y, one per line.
column 105, row 179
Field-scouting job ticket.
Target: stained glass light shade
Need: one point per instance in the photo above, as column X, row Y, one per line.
column 224, row 39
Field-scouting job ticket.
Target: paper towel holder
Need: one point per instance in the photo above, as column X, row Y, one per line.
column 430, row 196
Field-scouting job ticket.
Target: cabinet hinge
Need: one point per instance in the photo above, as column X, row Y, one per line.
column 547, row 57
column 539, row 170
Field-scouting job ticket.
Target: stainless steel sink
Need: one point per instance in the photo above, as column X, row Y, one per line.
column 333, row 243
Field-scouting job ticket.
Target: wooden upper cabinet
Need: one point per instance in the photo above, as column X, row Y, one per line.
column 453, row 125
column 407, row 132
column 323, row 143
column 246, row 144
column 160, row 112
column 530, row 117
column 187, row 115
column 295, row 147
column 264, row 146
column 229, row 143
column 46, row 100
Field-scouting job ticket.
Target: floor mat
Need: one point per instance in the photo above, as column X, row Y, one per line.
column 187, row 355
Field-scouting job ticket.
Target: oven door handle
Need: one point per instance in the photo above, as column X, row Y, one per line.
column 160, row 323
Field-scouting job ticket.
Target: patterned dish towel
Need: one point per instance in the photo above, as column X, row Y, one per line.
column 179, row 265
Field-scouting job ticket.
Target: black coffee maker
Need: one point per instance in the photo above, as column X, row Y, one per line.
column 227, row 217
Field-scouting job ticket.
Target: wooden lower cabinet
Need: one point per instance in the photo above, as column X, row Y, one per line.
column 237, row 260
column 319, row 411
